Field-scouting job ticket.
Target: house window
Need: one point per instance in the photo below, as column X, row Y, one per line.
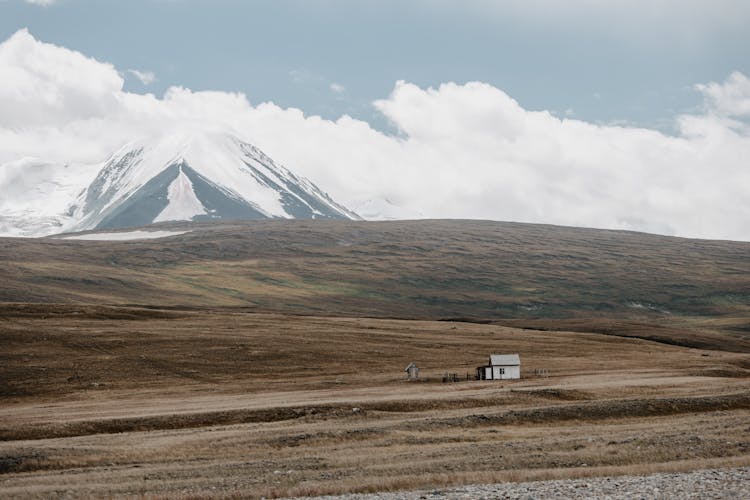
column 501, row 371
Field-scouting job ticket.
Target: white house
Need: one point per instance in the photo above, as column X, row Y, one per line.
column 412, row 371
column 501, row 367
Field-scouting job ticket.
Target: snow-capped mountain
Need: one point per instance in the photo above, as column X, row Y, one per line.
column 179, row 176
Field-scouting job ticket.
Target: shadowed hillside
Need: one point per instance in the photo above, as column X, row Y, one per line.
column 471, row 270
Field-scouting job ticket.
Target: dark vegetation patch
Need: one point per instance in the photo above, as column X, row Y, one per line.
column 180, row 421
column 21, row 461
column 721, row 372
column 320, row 437
column 205, row 419
column 662, row 330
column 599, row 410
column 554, row 394
column 589, row 411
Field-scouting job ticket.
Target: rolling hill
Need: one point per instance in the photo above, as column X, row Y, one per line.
column 522, row 275
column 213, row 356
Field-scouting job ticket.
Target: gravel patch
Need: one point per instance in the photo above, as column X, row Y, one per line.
column 704, row 484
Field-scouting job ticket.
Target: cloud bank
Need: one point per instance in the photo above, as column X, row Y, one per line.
column 462, row 151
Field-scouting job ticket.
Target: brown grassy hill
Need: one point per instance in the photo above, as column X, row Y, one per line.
column 221, row 363
column 110, row 402
column 611, row 281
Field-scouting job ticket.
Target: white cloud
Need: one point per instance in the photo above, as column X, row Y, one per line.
column 337, row 88
column 43, row 3
column 464, row 151
column 146, row 77
column 48, row 85
column 731, row 98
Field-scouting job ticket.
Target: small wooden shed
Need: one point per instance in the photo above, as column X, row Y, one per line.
column 500, row 367
column 412, row 371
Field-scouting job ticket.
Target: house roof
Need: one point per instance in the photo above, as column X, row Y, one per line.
column 412, row 364
column 505, row 360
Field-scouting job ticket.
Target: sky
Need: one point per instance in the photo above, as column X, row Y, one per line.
column 612, row 61
column 618, row 114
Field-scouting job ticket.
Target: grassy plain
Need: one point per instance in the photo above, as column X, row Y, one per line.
column 102, row 401
column 266, row 358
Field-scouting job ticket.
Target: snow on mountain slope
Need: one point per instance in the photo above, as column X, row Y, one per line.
column 183, row 203
column 197, row 176
column 384, row 209
column 35, row 196
column 124, row 235
column 179, row 176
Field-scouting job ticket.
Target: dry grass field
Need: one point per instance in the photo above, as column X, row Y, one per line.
column 266, row 358
column 114, row 401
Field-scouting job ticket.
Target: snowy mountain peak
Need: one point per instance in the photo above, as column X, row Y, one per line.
column 182, row 175
column 182, row 145
column 198, row 176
